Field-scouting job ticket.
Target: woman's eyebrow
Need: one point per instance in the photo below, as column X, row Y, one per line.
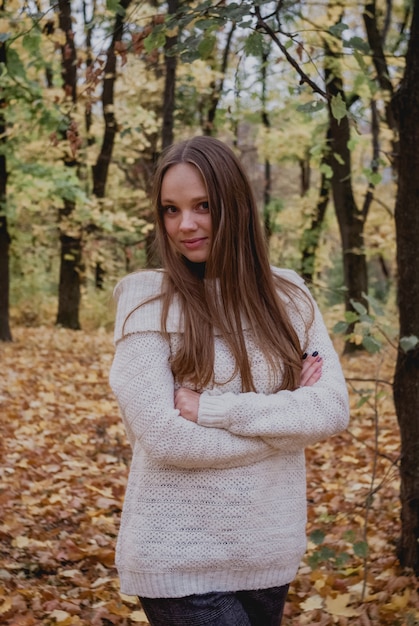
column 196, row 199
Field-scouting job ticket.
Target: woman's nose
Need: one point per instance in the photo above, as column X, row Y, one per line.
column 188, row 221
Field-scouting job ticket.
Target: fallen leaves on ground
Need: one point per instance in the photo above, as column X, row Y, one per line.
column 64, row 470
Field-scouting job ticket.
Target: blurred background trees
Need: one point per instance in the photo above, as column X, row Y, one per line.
column 94, row 90
column 310, row 95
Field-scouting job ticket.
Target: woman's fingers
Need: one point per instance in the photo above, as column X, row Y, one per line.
column 311, row 370
column 187, row 403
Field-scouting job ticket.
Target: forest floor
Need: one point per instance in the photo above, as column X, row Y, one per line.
column 64, row 468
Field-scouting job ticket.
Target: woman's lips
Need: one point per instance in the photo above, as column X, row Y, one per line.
column 191, row 244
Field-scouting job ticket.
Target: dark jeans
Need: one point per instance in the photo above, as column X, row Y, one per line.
column 242, row 608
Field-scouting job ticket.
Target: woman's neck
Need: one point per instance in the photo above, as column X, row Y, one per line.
column 197, row 269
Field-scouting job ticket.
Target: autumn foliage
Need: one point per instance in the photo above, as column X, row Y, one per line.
column 64, row 468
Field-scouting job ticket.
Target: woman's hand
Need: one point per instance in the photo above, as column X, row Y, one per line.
column 187, row 403
column 312, row 370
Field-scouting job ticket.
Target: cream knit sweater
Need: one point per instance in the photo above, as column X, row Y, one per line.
column 219, row 505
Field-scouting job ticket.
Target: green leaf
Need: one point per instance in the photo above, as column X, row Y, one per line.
column 15, row 66
column 206, row 25
column 374, row 304
column 338, row 107
column 313, row 560
column 372, row 177
column 371, row 344
column 254, row 44
column 206, row 46
column 31, row 42
column 361, row 61
column 351, row 317
column 317, row 537
column 408, row 343
column 327, row 553
column 189, row 50
column 363, row 400
column 311, row 107
column 115, row 7
column 326, row 170
column 357, row 43
column 349, row 536
column 342, row 559
column 366, row 319
column 340, row 327
column 156, row 39
column 359, row 308
column 361, row 549
column 337, row 29
column 352, row 143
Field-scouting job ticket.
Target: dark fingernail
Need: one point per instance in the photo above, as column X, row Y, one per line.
column 315, row 353
column 305, row 355
column 319, row 360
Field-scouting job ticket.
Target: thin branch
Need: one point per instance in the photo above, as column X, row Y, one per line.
column 262, row 25
column 369, row 380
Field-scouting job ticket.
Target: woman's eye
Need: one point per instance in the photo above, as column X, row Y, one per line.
column 170, row 210
column 204, row 206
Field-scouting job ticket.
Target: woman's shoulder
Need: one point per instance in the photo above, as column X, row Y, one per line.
column 139, row 285
column 138, row 303
column 293, row 291
column 288, row 275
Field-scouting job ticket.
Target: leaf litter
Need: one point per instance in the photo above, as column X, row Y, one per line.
column 63, row 474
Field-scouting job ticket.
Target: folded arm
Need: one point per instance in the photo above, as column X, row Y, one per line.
column 142, row 381
column 288, row 420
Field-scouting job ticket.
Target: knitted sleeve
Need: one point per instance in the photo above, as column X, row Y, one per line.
column 288, row 420
column 142, row 381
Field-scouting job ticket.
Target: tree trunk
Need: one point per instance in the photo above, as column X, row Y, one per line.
column 5, row 334
column 406, row 381
column 218, row 86
column 375, row 41
column 267, row 182
column 101, row 167
column 88, row 27
column 170, row 61
column 311, row 235
column 305, row 175
column 71, row 270
column 69, row 290
column 350, row 219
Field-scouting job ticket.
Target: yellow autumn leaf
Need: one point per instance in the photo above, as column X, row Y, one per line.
column 139, row 617
column 99, row 582
column 312, row 603
column 339, row 606
column 4, row 26
column 357, row 339
column 5, row 606
column 117, row 608
column 21, row 542
column 398, row 602
column 61, row 616
column 71, row 573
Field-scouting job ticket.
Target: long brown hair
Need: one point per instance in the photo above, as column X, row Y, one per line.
column 238, row 288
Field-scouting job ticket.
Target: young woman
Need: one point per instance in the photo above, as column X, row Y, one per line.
column 219, row 400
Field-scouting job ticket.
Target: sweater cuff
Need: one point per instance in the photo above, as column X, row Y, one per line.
column 212, row 412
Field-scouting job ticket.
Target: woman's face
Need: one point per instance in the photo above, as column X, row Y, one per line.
column 186, row 213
